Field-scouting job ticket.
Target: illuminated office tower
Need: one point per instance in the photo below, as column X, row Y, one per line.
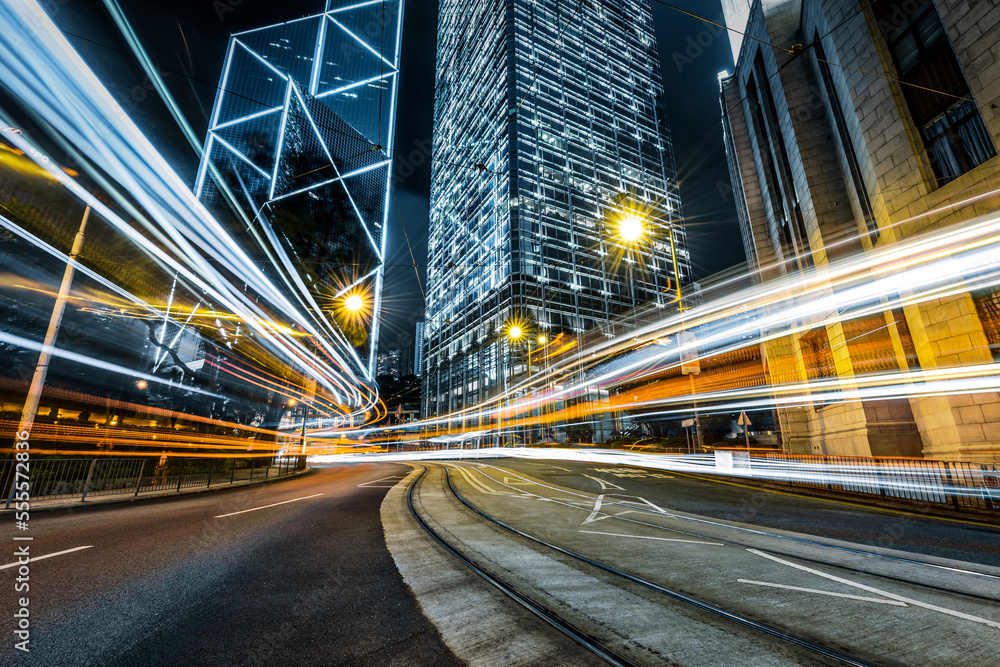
column 299, row 149
column 418, row 350
column 553, row 200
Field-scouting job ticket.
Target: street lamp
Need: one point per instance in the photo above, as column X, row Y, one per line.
column 516, row 333
column 354, row 303
column 292, row 403
column 631, row 228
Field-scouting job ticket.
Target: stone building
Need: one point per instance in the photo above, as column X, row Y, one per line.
column 850, row 126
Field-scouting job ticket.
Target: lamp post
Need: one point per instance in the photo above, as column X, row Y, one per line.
column 292, row 403
column 514, row 335
column 48, row 345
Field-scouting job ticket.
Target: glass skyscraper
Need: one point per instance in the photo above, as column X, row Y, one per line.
column 299, row 149
column 550, row 139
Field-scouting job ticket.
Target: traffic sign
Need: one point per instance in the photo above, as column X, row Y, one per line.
column 745, row 422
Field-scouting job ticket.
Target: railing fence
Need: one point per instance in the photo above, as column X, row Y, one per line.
column 961, row 484
column 52, row 479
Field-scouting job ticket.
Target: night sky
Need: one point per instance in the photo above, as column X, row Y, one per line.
column 188, row 38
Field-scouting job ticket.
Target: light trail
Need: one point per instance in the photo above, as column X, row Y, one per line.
column 906, row 478
column 923, row 268
column 163, row 219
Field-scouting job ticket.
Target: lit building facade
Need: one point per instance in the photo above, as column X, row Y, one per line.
column 549, row 134
column 418, row 349
column 883, row 126
column 298, row 152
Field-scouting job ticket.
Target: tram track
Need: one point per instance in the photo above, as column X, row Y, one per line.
column 600, row 646
column 579, row 636
column 769, row 534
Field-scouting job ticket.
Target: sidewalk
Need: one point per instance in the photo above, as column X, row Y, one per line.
column 108, row 498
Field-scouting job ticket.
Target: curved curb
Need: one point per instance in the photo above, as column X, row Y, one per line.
column 480, row 625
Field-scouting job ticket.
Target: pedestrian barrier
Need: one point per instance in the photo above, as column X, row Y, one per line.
column 58, row 478
column 961, row 484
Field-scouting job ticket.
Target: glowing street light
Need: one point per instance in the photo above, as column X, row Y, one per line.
column 515, row 332
column 141, row 384
column 354, row 303
column 631, row 228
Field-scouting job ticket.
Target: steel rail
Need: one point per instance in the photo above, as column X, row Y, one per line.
column 767, row 533
column 699, row 604
column 538, row 610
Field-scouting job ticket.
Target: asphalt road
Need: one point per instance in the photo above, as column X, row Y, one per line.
column 172, row 582
column 962, row 541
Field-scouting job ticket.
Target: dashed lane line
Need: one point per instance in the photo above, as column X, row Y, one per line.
column 644, row 537
column 32, row 559
column 264, row 507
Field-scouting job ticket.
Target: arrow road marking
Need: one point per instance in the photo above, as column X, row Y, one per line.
column 597, row 515
column 605, row 485
column 264, row 507
column 894, row 603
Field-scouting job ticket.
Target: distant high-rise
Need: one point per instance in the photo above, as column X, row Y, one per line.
column 418, row 350
column 554, row 203
column 299, row 149
column 388, row 363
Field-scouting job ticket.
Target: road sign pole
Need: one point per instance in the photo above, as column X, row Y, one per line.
column 745, row 422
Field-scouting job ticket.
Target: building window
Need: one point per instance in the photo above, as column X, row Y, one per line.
column 817, row 355
column 777, row 167
column 957, row 141
column 935, row 89
column 864, row 200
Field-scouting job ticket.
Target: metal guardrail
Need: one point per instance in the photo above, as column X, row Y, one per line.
column 961, row 484
column 53, row 479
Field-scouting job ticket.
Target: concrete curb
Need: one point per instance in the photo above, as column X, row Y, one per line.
column 43, row 506
column 479, row 624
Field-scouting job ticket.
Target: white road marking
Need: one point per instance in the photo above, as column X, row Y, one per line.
column 558, row 468
column 32, row 559
column 605, row 485
column 894, row 603
column 476, row 484
column 396, row 477
column 264, row 507
column 662, row 539
column 892, row 596
column 597, row 515
column 507, row 480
